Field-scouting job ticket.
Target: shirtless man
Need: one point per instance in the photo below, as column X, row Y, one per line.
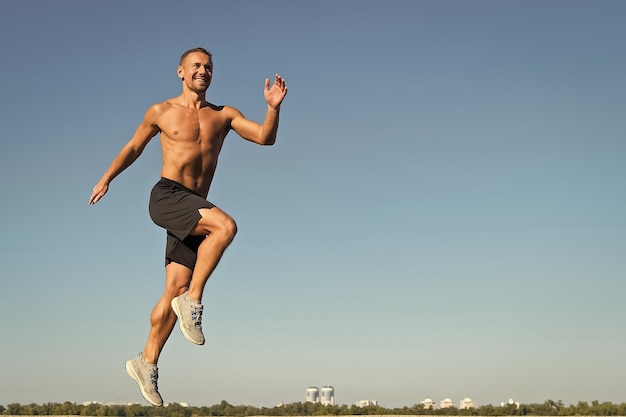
column 192, row 134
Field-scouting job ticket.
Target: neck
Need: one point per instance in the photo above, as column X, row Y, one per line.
column 193, row 99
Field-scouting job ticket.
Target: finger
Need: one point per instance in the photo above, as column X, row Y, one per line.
column 96, row 196
column 281, row 81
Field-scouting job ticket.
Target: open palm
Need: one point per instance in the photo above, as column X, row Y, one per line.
column 276, row 94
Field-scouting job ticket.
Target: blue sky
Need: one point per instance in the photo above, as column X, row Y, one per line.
column 442, row 214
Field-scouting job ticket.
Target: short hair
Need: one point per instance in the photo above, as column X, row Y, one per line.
column 199, row 49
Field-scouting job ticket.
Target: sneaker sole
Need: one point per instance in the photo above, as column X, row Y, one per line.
column 131, row 373
column 180, row 323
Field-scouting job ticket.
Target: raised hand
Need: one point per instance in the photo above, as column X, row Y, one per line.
column 275, row 95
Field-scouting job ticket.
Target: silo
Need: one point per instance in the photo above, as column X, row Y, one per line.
column 327, row 395
column 312, row 395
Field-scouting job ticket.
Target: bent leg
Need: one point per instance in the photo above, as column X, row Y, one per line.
column 163, row 319
column 220, row 230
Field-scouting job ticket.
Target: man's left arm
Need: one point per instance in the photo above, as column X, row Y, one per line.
column 263, row 134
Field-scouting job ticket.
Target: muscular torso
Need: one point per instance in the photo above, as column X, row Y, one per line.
column 191, row 140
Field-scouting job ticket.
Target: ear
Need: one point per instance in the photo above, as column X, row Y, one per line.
column 180, row 72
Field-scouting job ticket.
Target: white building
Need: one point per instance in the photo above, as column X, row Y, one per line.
column 366, row 403
column 312, row 395
column 510, row 402
column 428, row 403
column 446, row 403
column 327, row 395
column 466, row 403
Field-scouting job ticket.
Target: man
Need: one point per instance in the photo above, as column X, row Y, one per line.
column 192, row 133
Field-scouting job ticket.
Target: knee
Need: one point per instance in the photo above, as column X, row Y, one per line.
column 218, row 225
column 177, row 278
column 174, row 289
column 228, row 229
column 162, row 311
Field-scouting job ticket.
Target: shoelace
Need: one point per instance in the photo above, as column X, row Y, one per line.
column 154, row 375
column 196, row 315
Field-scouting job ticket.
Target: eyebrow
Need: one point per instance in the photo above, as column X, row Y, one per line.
column 210, row 64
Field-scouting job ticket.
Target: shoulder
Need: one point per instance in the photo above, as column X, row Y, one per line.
column 223, row 112
column 160, row 108
column 231, row 112
column 157, row 110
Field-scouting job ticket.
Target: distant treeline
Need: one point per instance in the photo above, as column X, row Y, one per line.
column 548, row 408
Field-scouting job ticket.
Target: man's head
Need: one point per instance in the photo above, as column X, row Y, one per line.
column 202, row 50
column 196, row 69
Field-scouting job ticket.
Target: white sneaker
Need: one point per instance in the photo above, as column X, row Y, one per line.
column 189, row 318
column 145, row 375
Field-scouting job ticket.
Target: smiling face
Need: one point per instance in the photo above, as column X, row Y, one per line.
column 196, row 71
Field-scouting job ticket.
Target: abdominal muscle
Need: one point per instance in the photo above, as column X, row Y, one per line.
column 191, row 141
column 191, row 164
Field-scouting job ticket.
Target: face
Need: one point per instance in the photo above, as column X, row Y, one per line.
column 196, row 71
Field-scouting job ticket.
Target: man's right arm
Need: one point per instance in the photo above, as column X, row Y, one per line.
column 129, row 153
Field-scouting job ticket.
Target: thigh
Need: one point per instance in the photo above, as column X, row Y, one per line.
column 213, row 220
column 177, row 278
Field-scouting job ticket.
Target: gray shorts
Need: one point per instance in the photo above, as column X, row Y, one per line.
column 175, row 207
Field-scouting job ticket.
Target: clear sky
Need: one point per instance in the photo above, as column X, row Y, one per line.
column 442, row 214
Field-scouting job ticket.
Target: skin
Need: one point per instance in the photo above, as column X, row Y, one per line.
column 192, row 133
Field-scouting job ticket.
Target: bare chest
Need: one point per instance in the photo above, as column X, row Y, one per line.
column 203, row 126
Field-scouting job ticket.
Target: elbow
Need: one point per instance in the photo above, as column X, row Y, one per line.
column 268, row 140
column 134, row 149
column 264, row 137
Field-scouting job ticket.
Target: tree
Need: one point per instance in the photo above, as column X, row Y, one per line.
column 14, row 409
